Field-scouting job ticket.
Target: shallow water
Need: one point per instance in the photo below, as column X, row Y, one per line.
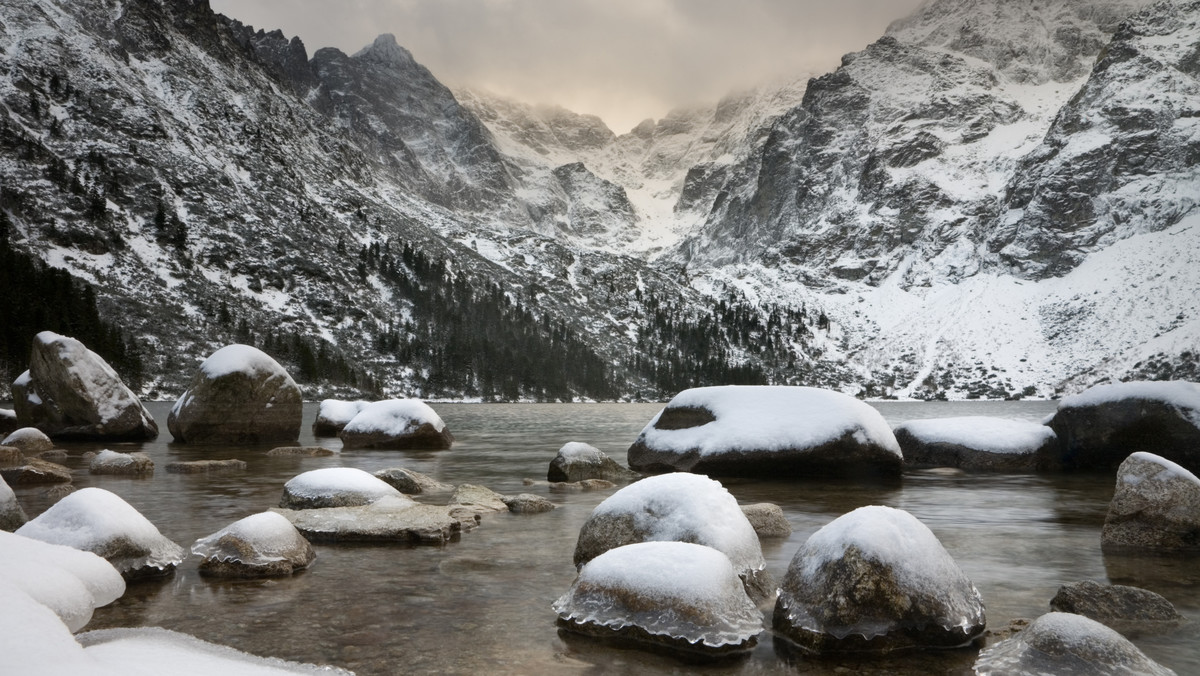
column 482, row 604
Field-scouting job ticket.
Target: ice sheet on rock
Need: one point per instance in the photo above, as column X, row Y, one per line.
column 991, row 435
column 769, row 418
column 676, row 589
column 1170, row 470
column 270, row 533
column 331, row 481
column 238, row 358
column 24, row 437
column 91, row 517
column 394, row 417
column 340, row 412
column 70, row 582
column 1070, row 645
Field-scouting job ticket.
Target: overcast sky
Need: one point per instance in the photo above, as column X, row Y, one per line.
column 624, row 60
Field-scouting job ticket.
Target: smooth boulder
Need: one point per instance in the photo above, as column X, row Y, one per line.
column 577, row 461
column 974, row 443
column 12, row 516
column 36, row 471
column 768, row 520
column 260, row 545
column 1066, row 644
column 128, row 464
column 334, row 487
column 28, row 440
column 1156, row 506
column 1118, row 606
column 411, row 483
column 396, row 424
column 799, row 432
column 239, row 395
column 876, row 580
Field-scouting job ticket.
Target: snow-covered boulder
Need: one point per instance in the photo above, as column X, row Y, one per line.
column 69, row 582
column 36, row 471
column 677, row 507
column 239, row 395
column 8, row 421
column 98, row 521
column 112, row 462
column 1065, row 643
column 767, row 519
column 12, row 516
column 396, row 424
column 260, row 545
column 1156, row 505
column 1117, row 606
column 397, row 519
column 675, row 594
column 334, row 487
column 411, row 483
column 29, row 440
column 81, row 396
column 1098, row 428
column 26, row 403
column 877, row 580
column 767, row 431
column 577, row 461
column 333, row 415
column 974, row 443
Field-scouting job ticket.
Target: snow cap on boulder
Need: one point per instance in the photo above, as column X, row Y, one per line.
column 334, row 487
column 974, row 443
column 396, row 424
column 261, row 545
column 1065, row 643
column 577, row 461
column 333, row 414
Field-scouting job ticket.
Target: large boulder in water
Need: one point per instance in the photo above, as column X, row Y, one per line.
column 81, row 396
column 577, row 461
column 677, row 507
column 261, row 545
column 1098, row 428
column 767, row 431
column 333, row 414
column 876, row 580
column 334, row 487
column 676, row 595
column 974, row 443
column 397, row 424
column 1156, row 506
column 1067, row 644
column 238, row 396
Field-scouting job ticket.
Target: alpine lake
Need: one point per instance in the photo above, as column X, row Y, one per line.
column 481, row 604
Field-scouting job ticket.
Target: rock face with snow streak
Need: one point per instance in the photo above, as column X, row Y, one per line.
column 1065, row 643
column 876, row 580
column 974, row 443
column 239, row 395
column 333, row 415
column 1156, row 506
column 260, row 545
column 81, row 396
column 334, row 487
column 1101, row 426
column 767, row 431
column 679, row 595
column 98, row 521
column 12, row 516
column 577, row 461
column 396, row 424
column 681, row 507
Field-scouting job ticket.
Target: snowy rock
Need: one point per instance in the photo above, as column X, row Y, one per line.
column 112, row 462
column 578, row 461
column 1117, row 606
column 304, row 451
column 411, row 483
column 35, row 471
column 396, row 519
column 205, row 466
column 679, row 595
column 478, row 498
column 30, row 440
column 97, row 521
column 260, row 545
column 876, row 580
column 974, row 443
column 27, row 405
column 81, row 395
column 334, row 487
column 238, row 396
column 11, row 456
column 527, row 503
column 1101, row 426
column 1065, row 643
column 1156, row 505
column 333, row 415
column 677, row 507
column 396, row 424
column 12, row 516
column 8, row 421
column 69, row 582
column 767, row 431
column 767, row 520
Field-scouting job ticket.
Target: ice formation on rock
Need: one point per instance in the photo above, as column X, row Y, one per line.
column 260, row 545
column 1067, row 644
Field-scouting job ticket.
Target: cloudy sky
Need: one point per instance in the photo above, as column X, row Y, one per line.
column 624, row 60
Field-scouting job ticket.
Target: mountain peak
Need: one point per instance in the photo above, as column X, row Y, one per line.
column 386, row 50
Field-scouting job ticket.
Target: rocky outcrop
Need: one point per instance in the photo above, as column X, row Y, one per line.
column 1065, row 643
column 238, row 396
column 396, row 424
column 261, row 545
column 28, row 440
column 577, row 461
column 1156, row 506
column 129, row 464
column 974, row 443
column 1117, row 606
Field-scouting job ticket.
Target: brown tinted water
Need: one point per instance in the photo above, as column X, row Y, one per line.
column 482, row 604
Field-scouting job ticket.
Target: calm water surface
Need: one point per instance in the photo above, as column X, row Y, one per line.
column 482, row 604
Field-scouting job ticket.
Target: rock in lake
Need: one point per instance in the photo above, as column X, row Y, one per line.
column 767, row 431
column 301, row 451
column 8, row 421
column 1100, row 427
column 12, row 516
column 11, row 456
column 577, row 461
column 260, row 545
column 527, row 503
column 677, row 507
column 876, row 580
column 205, row 466
column 392, row 519
column 1156, row 506
column 238, row 396
column 334, row 487
column 1115, row 605
column 398, row 424
column 97, row 521
column 1067, row 644
column 677, row 595
column 411, row 483
column 333, row 415
column 112, row 462
column 479, row 499
column 81, row 396
column 974, row 443
column 35, row 471
column 767, row 520
column 29, row 440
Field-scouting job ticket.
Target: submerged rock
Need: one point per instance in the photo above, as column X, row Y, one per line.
column 411, row 483
column 1068, row 645
column 397, row 424
column 239, row 395
column 97, row 521
column 205, row 466
column 260, row 545
column 677, row 507
column 1117, row 606
column 1156, row 506
column 974, row 443
column 527, row 503
column 876, row 580
column 767, row 520
column 334, row 487
column 36, row 471
column 767, row 431
column 577, row 461
column 676, row 595
column 333, row 415
column 395, row 519
column 12, row 516
column 301, row 451
column 28, row 440
column 478, row 498
column 112, row 462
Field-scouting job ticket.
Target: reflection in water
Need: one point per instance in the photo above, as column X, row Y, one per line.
column 482, row 604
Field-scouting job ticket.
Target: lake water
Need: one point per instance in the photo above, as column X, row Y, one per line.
column 482, row 604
